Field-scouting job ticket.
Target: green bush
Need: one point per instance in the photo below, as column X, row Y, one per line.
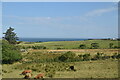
column 98, row 56
column 111, row 45
column 68, row 56
column 114, row 56
column 86, row 57
column 82, row 46
column 118, row 56
column 94, row 46
column 80, row 57
column 10, row 53
column 38, row 47
column 116, row 47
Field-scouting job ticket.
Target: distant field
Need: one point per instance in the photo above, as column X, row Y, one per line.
column 103, row 44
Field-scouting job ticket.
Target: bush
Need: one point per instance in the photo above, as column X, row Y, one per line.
column 111, row 45
column 98, row 56
column 10, row 53
column 118, row 56
column 116, row 47
column 94, row 46
column 82, row 46
column 114, row 56
column 86, row 57
column 38, row 47
column 68, row 56
column 80, row 57
column 60, row 48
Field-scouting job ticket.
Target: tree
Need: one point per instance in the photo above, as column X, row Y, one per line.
column 10, row 36
column 94, row 46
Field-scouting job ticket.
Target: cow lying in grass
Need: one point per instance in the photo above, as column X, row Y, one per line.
column 39, row 76
column 26, row 73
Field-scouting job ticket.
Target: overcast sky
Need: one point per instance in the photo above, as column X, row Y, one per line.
column 61, row 19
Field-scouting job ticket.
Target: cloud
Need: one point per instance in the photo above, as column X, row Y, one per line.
column 68, row 20
column 99, row 12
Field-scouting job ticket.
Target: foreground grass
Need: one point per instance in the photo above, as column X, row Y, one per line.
column 86, row 69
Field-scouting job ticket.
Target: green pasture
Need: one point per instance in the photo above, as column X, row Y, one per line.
column 40, row 61
column 103, row 44
column 86, row 69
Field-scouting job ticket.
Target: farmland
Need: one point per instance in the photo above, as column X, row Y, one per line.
column 103, row 44
column 46, row 60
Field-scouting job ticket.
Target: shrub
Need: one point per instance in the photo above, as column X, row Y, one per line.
column 38, row 47
column 110, row 45
column 86, row 57
column 82, row 46
column 98, row 56
column 94, row 46
column 80, row 57
column 60, row 48
column 68, row 56
column 116, row 47
column 10, row 53
column 114, row 56
column 118, row 56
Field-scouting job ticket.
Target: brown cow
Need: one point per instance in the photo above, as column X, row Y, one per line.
column 39, row 76
column 28, row 75
column 26, row 71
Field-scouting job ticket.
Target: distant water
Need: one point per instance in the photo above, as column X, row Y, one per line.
column 49, row 39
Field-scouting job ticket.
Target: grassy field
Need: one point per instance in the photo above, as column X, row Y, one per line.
column 40, row 61
column 86, row 69
column 103, row 44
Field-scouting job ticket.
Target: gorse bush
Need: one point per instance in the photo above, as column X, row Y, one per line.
column 115, row 55
column 111, row 45
column 94, row 46
column 38, row 47
column 34, row 47
column 98, row 56
column 10, row 53
column 86, row 57
column 82, row 46
column 68, row 56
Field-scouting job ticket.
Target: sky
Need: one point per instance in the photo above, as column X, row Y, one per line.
column 61, row 19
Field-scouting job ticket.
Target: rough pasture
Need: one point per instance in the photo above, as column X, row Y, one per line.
column 103, row 44
column 38, row 60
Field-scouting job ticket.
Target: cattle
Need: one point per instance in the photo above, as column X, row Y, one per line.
column 72, row 68
column 39, row 76
column 28, row 75
column 26, row 71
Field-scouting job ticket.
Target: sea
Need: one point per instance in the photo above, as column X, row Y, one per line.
column 49, row 39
